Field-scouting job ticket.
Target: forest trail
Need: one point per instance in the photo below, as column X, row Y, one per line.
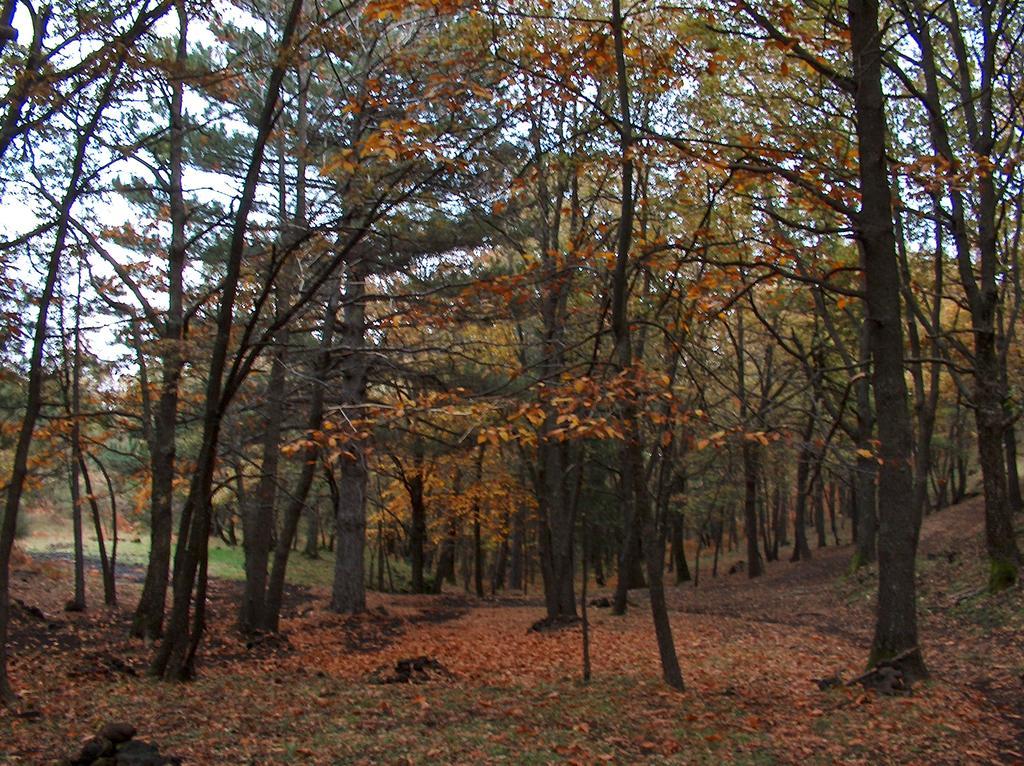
column 750, row 651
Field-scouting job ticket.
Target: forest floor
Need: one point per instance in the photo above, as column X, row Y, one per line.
column 750, row 651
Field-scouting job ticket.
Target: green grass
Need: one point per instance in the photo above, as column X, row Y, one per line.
column 226, row 562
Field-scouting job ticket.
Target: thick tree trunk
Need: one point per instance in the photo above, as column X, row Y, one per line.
column 1012, row 475
column 349, row 591
column 896, row 626
column 557, row 527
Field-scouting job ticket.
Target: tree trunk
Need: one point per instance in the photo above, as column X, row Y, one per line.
column 557, row 523
column 680, row 566
column 349, row 591
column 780, row 512
column 77, row 603
column 258, row 517
column 630, row 574
column 446, row 558
column 718, row 529
column 1012, row 475
column 312, row 547
column 500, row 568
column 866, row 469
column 148, row 619
column 33, row 395
column 418, row 527
column 106, row 563
column 176, row 655
column 801, row 550
column 517, row 553
column 110, row 566
column 896, row 626
column 819, row 508
column 293, row 512
column 751, row 475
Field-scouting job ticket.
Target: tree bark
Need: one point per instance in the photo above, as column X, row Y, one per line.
column 148, row 619
column 801, row 550
column 348, row 592
column 1012, row 475
column 310, row 461
column 176, row 655
column 896, row 625
column 517, row 553
column 751, row 469
column 78, row 601
column 33, row 395
column 631, row 459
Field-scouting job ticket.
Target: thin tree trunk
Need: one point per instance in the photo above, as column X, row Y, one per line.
column 819, row 508
column 293, row 512
column 148, row 619
column 515, row 574
column 719, row 532
column 682, row 570
column 106, row 565
column 751, row 469
column 176, row 655
column 110, row 593
column 801, row 550
column 418, row 526
column 77, row 603
column 33, row 395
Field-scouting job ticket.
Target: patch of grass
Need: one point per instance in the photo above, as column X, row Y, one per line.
column 991, row 611
column 226, row 562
